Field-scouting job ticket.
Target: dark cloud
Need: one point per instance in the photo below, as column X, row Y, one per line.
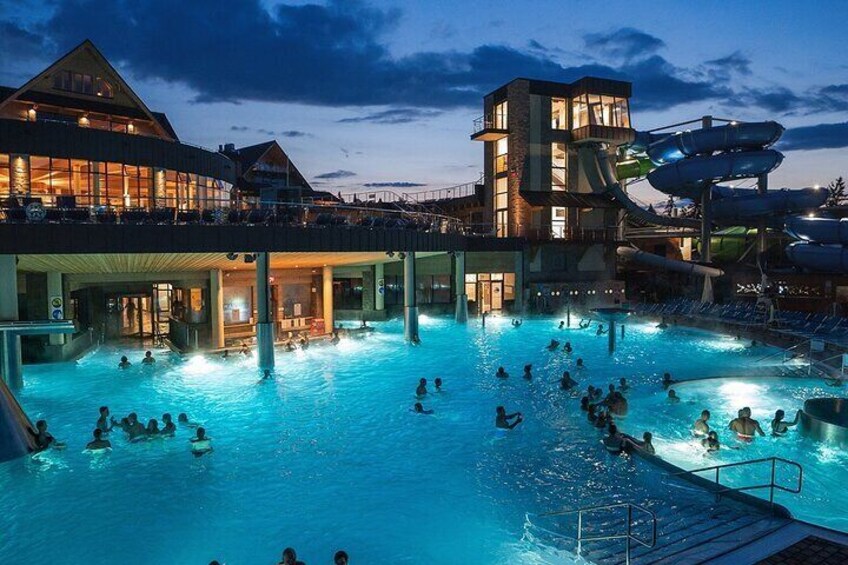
column 288, row 133
column 18, row 43
column 821, row 136
column 393, row 116
column 724, row 67
column 393, row 184
column 339, row 174
column 776, row 100
column 783, row 101
column 239, row 128
column 625, row 43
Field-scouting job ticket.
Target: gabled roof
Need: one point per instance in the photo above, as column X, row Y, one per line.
column 24, row 92
column 252, row 154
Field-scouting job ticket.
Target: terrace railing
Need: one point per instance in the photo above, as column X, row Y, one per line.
column 627, row 534
column 771, row 485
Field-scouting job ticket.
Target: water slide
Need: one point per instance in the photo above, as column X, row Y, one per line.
column 822, row 245
column 15, row 437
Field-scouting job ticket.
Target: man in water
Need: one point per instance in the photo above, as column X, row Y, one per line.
column 610, row 394
column 43, row 438
column 502, row 420
column 553, row 345
column 502, row 374
column 662, row 325
column 335, row 339
column 267, row 375
column 169, row 428
column 618, row 404
column 438, row 383
column 583, row 326
column 148, row 358
column 645, row 444
column 566, row 382
column 245, row 350
column 125, row 363
column 601, row 330
column 667, row 381
column 341, row 558
column 290, row 557
column 779, row 427
column 483, row 318
column 103, row 423
column 421, row 390
column 226, row 354
column 201, row 444
column 182, row 419
column 98, row 442
column 152, row 428
column 579, row 366
column 516, row 323
column 567, row 347
column 711, row 443
column 304, row 342
column 419, row 409
column 745, row 426
column 701, row 425
column 527, row 372
column 614, row 442
column 134, row 428
column 562, row 325
column 622, row 385
column 672, row 397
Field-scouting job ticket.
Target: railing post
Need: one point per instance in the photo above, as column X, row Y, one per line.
column 627, row 539
column 771, row 487
column 579, row 532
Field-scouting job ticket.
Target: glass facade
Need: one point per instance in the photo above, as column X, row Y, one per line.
column 559, row 166
column 429, row 289
column 594, row 109
column 82, row 84
column 116, row 185
column 559, row 113
column 501, row 210
column 501, row 116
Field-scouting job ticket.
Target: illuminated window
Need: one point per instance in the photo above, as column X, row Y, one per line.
column 501, row 202
column 82, row 84
column 501, row 155
column 594, row 109
column 558, row 220
column 558, row 113
column 501, row 116
column 559, row 167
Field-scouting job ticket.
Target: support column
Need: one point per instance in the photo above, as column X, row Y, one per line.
column 461, row 296
column 410, row 302
column 379, row 287
column 706, row 226
column 327, row 302
column 611, row 334
column 10, row 344
column 54, row 290
column 264, row 324
column 519, row 283
column 216, row 307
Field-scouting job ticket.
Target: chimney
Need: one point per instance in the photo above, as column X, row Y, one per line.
column 230, row 148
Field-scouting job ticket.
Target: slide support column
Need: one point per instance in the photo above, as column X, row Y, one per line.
column 461, row 297
column 706, row 226
column 216, row 307
column 264, row 325
column 10, row 343
column 410, row 302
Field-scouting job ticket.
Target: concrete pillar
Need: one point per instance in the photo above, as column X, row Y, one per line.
column 264, row 324
column 410, row 302
column 216, row 307
column 379, row 287
column 611, row 334
column 706, row 226
column 327, row 302
column 461, row 296
column 54, row 290
column 519, row 283
column 10, row 344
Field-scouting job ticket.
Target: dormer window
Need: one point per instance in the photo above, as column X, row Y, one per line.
column 82, row 84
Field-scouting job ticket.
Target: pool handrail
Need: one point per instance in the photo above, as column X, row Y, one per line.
column 771, row 485
column 628, row 536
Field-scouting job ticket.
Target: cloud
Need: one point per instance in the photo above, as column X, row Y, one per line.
column 288, row 133
column 781, row 100
column 239, row 128
column 624, row 43
column 393, row 116
column 339, row 174
column 821, row 136
column 294, row 133
column 18, row 43
column 393, row 184
column 724, row 67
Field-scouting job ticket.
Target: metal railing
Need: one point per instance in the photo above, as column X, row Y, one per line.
column 627, row 536
column 771, row 485
column 417, row 197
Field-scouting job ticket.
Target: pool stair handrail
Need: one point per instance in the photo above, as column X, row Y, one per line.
column 627, row 535
column 771, row 485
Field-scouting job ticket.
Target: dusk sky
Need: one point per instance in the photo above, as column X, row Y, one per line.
column 384, row 93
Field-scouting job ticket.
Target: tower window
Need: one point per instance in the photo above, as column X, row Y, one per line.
column 82, row 84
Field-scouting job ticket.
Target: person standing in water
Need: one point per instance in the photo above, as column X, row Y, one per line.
column 421, row 390
column 98, row 442
column 701, row 425
column 502, row 419
column 779, row 427
column 528, row 375
column 745, row 427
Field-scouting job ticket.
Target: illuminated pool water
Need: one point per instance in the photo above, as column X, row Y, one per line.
column 823, row 498
column 329, row 456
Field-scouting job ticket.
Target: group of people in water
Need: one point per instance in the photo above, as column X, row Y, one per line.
column 289, row 557
column 743, row 426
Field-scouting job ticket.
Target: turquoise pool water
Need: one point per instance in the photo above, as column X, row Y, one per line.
column 823, row 496
column 329, row 455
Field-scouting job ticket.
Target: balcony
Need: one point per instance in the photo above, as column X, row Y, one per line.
column 603, row 134
column 485, row 129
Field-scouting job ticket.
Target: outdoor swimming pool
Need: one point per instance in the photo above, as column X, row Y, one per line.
column 328, row 455
column 823, row 498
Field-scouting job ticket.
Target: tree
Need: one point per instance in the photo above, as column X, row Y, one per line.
column 836, row 194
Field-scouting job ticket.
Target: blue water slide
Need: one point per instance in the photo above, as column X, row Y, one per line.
column 734, row 206
column 830, row 258
column 819, row 230
column 688, row 177
column 754, row 135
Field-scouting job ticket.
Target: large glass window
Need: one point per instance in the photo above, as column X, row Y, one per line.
column 238, row 305
column 558, row 221
column 559, row 166
column 501, row 116
column 82, row 84
column 594, row 109
column 5, row 175
column 433, row 289
column 501, row 206
column 558, row 113
column 501, row 155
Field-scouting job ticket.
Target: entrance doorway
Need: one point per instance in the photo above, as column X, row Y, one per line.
column 491, row 295
column 129, row 316
column 490, row 291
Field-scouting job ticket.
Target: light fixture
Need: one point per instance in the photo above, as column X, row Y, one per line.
column 249, row 257
column 390, row 254
column 402, row 255
column 232, row 256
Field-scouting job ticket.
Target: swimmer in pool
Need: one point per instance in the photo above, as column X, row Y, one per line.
column 779, row 427
column 290, row 557
column 591, row 415
column 168, row 428
column 341, row 558
column 245, row 350
column 566, row 382
column 148, row 358
column 201, row 444
column 662, row 325
column 152, row 428
column 267, row 375
column 701, row 427
column 43, row 438
column 516, row 323
column 610, row 394
column 335, row 339
column 290, row 346
column 502, row 374
column 226, row 354
column 421, row 390
column 614, row 442
column 553, row 345
column 134, row 428
column 183, row 420
column 618, row 404
column 98, row 442
column 419, row 409
column 753, row 344
column 622, row 385
column 502, row 419
column 567, row 347
column 667, row 381
column 582, row 325
column 745, row 426
column 579, row 366
column 648, row 443
column 672, row 397
column 601, row 330
column 125, row 363
column 304, row 343
column 103, row 424
column 527, row 372
column 561, row 325
column 584, row 404
column 438, row 383
column 711, row 443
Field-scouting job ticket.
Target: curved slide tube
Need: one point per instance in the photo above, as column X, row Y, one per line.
column 16, row 439
column 819, row 230
column 675, row 147
column 831, row 258
column 823, row 243
column 670, row 264
column 595, row 164
column 736, row 207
